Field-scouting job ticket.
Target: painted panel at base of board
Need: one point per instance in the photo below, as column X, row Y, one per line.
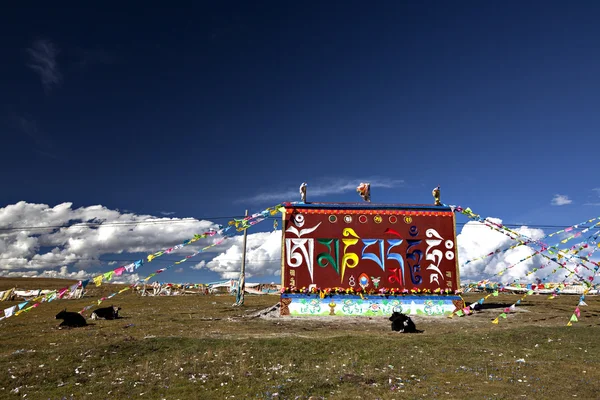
column 297, row 305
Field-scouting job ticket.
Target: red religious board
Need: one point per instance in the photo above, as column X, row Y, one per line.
column 369, row 247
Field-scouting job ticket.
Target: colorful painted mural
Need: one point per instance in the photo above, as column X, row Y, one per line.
column 369, row 248
column 351, row 305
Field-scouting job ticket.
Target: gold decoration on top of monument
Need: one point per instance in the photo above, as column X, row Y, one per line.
column 436, row 195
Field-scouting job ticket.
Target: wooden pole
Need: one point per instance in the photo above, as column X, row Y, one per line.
column 242, row 279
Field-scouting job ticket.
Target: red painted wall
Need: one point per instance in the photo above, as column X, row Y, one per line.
column 368, row 248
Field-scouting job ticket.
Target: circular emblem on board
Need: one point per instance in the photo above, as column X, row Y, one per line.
column 393, row 219
column 377, row 219
column 332, row 218
column 408, row 219
column 299, row 220
column 449, row 245
column 362, row 219
column 347, row 219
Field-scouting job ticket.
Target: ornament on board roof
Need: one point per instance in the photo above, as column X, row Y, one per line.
column 364, row 190
column 303, row 192
column 436, row 195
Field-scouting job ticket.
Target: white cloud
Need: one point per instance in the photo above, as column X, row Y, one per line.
column 61, row 273
column 477, row 240
column 560, row 200
column 43, row 60
column 25, row 243
column 594, row 203
column 323, row 188
column 126, row 279
column 263, row 256
column 64, row 273
column 167, row 213
column 200, row 265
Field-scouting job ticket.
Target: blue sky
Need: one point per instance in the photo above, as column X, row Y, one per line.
column 204, row 109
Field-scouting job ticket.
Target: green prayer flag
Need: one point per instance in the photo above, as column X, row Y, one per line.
column 574, row 318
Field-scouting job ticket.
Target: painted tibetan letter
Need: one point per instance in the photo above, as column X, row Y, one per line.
column 299, row 251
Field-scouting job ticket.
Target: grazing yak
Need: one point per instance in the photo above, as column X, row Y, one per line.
column 70, row 319
column 111, row 312
column 403, row 323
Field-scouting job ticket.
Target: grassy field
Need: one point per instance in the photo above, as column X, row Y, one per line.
column 200, row 347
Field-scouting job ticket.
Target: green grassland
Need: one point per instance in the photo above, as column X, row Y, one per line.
column 200, row 347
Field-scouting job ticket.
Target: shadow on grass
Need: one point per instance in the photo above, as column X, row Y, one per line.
column 70, row 328
column 492, row 306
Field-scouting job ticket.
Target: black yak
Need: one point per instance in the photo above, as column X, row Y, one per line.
column 111, row 312
column 403, row 323
column 71, row 319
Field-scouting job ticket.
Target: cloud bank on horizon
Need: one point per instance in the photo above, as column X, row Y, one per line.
column 37, row 240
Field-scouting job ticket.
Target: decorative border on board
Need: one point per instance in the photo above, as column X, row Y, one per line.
column 370, row 212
